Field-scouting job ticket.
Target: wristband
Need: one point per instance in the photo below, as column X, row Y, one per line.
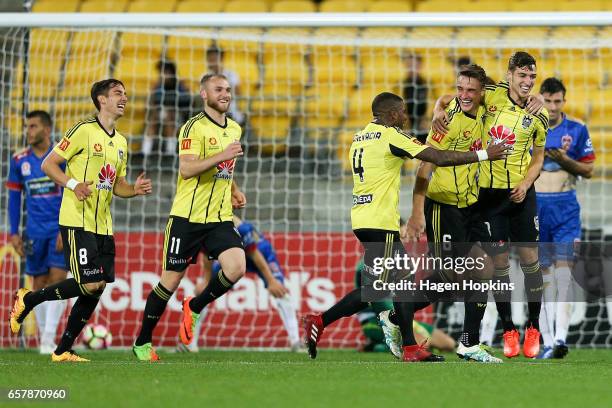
column 482, row 155
column 71, row 184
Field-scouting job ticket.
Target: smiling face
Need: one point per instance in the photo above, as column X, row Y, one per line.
column 217, row 94
column 522, row 81
column 114, row 102
column 469, row 93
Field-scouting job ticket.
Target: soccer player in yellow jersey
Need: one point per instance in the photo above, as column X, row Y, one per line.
column 447, row 204
column 378, row 153
column 507, row 196
column 201, row 214
column 96, row 160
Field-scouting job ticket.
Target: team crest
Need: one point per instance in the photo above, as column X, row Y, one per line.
column 566, row 142
column 106, row 176
column 527, row 120
column 26, row 170
column 120, row 152
column 212, row 141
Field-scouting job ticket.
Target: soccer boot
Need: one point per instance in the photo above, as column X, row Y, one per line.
column 419, row 352
column 531, row 342
column 146, row 352
column 313, row 330
column 546, row 353
column 476, row 353
column 188, row 322
column 393, row 336
column 512, row 347
column 17, row 314
column 560, row 350
column 68, row 356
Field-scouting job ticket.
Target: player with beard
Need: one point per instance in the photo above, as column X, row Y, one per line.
column 201, row 215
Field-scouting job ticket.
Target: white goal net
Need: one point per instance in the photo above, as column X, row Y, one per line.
column 301, row 93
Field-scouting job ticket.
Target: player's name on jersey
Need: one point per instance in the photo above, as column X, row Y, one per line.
column 360, row 137
column 441, row 287
column 362, row 199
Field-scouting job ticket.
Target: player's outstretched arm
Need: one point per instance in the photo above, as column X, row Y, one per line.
column 142, row 186
column 192, row 166
column 519, row 192
column 445, row 158
column 275, row 288
column 416, row 222
column 440, row 121
column 51, row 167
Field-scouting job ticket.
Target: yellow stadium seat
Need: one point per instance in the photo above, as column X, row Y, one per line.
column 245, row 65
column 435, row 6
column 534, row 33
column 601, row 108
column 285, row 68
column 240, row 39
column 88, row 41
column 438, row 69
column 55, row 6
column 325, row 106
column 268, row 102
column 50, row 43
column 189, row 55
column 488, row 6
column 245, row 6
column 83, row 71
column 390, row 6
column 385, row 71
column 360, row 102
column 582, row 5
column 104, row 6
column 137, row 74
column 534, row 6
column 147, row 46
column 272, row 132
column 602, row 142
column 200, row 6
column 293, row 6
column 43, row 78
column 275, row 40
column 334, row 69
column 466, row 34
column 380, row 40
column 151, row 6
column 343, row 6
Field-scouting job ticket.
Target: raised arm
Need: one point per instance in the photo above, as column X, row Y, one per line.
column 445, row 158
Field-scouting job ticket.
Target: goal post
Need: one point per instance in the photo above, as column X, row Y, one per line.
column 306, row 82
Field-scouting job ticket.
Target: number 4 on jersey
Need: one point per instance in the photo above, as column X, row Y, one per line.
column 357, row 166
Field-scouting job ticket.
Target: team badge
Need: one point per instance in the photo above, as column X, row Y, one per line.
column 527, row 120
column 212, row 141
column 120, row 152
column 26, row 170
column 106, row 176
column 566, row 142
column 98, row 147
column 467, row 134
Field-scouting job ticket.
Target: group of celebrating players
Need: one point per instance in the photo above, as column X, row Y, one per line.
column 463, row 194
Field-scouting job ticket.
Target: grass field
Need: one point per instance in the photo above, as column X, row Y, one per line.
column 337, row 378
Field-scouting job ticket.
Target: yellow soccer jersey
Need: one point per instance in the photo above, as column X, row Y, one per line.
column 507, row 122
column 208, row 197
column 91, row 155
column 377, row 154
column 457, row 185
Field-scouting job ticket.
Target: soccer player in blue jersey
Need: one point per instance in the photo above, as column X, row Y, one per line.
column 260, row 259
column 569, row 156
column 42, row 242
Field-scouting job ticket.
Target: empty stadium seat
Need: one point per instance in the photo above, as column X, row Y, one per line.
column 334, row 69
column 286, row 69
column 583, row 5
column 534, row 6
column 137, row 74
column 88, row 41
column 200, row 6
column 389, row 6
column 343, row 6
column 151, row 6
column 488, row 6
column 386, row 71
column 55, row 6
column 293, row 6
column 245, row 6
column 240, row 39
column 272, row 132
column 48, row 42
column 147, row 46
column 436, row 6
column 104, row 6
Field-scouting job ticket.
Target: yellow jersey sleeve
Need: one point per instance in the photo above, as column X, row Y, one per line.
column 190, row 142
column 541, row 129
column 443, row 141
column 404, row 145
column 71, row 144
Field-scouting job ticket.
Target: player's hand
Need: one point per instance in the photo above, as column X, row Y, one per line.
column 440, row 122
column 498, row 151
column 277, row 289
column 415, row 228
column 143, row 186
column 82, row 190
column 535, row 103
column 59, row 243
column 558, row 155
column 238, row 199
column 232, row 151
column 17, row 243
column 518, row 193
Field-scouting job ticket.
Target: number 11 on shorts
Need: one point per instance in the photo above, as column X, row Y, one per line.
column 173, row 249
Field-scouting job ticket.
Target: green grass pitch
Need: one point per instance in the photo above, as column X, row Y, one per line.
column 336, row 378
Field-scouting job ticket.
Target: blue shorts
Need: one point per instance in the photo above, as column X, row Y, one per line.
column 41, row 255
column 274, row 266
column 559, row 219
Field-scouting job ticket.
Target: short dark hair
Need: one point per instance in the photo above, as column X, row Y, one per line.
column 44, row 117
column 520, row 59
column 214, row 49
column 208, row 77
column 489, row 81
column 384, row 102
column 463, row 60
column 552, row 85
column 474, row 71
column 102, row 88
column 166, row 66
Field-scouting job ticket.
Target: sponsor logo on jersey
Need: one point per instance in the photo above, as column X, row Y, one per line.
column 98, row 147
column 467, row 134
column 111, row 144
column 438, row 137
column 212, row 141
column 527, row 120
column 362, row 199
column 26, row 170
column 107, row 177
column 225, row 169
column 566, row 142
column 492, row 108
column 186, row 144
column 42, row 187
column 64, row 144
column 477, row 145
column 501, row 134
column 120, row 152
